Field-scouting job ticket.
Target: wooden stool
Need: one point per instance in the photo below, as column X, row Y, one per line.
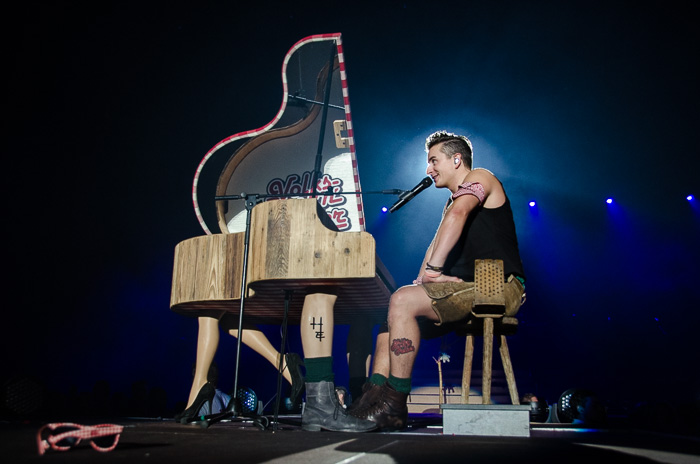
column 487, row 318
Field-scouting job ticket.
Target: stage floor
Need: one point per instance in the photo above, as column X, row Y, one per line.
column 239, row 441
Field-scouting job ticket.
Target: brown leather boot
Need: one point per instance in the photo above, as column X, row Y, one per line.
column 390, row 411
column 370, row 396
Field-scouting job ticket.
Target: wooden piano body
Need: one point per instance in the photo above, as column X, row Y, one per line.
column 290, row 249
column 297, row 242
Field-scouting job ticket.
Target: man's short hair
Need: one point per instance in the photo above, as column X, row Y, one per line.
column 451, row 144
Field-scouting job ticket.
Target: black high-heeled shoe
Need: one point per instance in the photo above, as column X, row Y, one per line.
column 294, row 364
column 205, row 394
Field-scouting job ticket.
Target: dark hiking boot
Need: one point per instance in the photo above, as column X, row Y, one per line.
column 323, row 412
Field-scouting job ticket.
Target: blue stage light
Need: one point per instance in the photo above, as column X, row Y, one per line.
column 532, row 204
column 609, row 201
column 384, row 209
column 690, row 198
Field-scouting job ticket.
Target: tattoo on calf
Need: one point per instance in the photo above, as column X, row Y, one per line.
column 402, row 346
column 319, row 333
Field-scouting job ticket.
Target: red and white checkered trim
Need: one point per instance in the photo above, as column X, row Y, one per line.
column 351, row 138
column 471, row 188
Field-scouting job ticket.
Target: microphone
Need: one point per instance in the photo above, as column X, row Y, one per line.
column 406, row 196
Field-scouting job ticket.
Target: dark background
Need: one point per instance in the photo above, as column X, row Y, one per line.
column 112, row 105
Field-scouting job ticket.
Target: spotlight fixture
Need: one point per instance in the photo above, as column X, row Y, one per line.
column 249, row 401
column 580, row 406
column 565, row 409
column 384, row 209
column 539, row 411
column 609, row 201
column 690, row 198
column 532, row 204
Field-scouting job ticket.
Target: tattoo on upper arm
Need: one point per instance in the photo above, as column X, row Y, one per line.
column 401, row 346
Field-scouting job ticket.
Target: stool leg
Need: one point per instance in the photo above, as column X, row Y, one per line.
column 467, row 372
column 487, row 360
column 508, row 368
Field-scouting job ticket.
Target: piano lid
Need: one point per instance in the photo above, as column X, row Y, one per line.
column 312, row 129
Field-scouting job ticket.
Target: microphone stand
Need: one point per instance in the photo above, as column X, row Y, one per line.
column 234, row 407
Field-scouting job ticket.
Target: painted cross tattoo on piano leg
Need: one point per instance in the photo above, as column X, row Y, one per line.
column 401, row 346
column 319, row 333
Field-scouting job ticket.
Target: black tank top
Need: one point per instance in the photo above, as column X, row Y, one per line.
column 488, row 234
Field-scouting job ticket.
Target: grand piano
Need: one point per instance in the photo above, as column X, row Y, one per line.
column 293, row 185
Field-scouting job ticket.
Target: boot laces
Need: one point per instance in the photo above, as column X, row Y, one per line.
column 336, row 411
